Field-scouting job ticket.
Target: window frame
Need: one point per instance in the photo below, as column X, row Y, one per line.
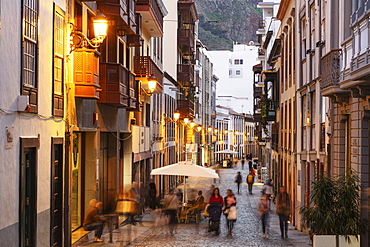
column 30, row 33
column 58, row 53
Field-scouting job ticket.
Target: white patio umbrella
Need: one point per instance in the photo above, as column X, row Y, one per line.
column 185, row 168
column 226, row 151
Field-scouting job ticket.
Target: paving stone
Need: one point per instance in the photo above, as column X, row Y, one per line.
column 247, row 230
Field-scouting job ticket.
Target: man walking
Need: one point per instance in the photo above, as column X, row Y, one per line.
column 250, row 181
column 283, row 210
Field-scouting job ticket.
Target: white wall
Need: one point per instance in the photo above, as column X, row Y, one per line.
column 239, row 88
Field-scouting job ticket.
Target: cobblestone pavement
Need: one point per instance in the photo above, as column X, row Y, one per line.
column 247, row 230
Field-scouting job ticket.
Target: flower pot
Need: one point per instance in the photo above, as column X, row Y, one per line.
column 330, row 241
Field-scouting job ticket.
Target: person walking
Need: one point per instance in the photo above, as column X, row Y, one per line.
column 268, row 190
column 230, row 211
column 264, row 207
column 152, row 195
column 243, row 161
column 250, row 165
column 250, row 182
column 216, row 197
column 171, row 205
column 238, row 180
column 283, row 210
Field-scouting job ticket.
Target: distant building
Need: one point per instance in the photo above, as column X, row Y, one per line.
column 234, row 69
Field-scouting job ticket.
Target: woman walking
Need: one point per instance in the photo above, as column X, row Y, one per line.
column 264, row 207
column 238, row 180
column 268, row 189
column 216, row 197
column 230, row 211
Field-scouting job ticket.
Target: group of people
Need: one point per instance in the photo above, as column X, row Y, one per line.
column 283, row 209
column 228, row 203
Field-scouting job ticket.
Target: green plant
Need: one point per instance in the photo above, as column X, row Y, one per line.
column 335, row 206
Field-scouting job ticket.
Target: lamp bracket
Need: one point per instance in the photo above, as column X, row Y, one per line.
column 80, row 40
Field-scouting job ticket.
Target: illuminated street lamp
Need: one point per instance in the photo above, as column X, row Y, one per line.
column 192, row 124
column 198, row 128
column 186, row 120
column 152, row 84
column 176, row 115
column 80, row 40
column 209, row 129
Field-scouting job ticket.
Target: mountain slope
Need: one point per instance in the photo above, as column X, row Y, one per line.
column 224, row 21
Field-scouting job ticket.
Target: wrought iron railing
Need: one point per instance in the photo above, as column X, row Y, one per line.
column 330, row 69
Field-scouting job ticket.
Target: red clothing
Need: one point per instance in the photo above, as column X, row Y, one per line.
column 216, row 199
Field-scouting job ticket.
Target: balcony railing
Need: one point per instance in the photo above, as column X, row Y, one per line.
column 133, row 93
column 150, row 10
column 185, row 107
column 123, row 11
column 135, row 40
column 261, row 24
column 144, row 66
column 185, row 37
column 114, row 83
column 257, row 92
column 330, row 69
column 185, row 74
column 86, row 70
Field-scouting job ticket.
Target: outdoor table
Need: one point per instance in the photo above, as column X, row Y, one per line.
column 110, row 219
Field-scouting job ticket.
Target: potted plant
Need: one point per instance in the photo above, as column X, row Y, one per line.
column 334, row 217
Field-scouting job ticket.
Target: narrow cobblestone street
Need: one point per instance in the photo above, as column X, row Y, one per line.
column 247, row 230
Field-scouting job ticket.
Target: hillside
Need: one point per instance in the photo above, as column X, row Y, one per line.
column 224, row 21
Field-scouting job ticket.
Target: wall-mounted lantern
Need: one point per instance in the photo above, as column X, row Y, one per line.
column 80, row 40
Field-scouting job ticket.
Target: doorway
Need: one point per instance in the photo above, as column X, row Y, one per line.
column 28, row 192
column 56, row 210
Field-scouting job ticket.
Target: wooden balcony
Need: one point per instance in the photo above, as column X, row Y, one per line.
column 135, row 40
column 330, row 71
column 114, row 84
column 185, row 37
column 153, row 16
column 122, row 11
column 257, row 93
column 86, row 73
column 185, row 107
column 133, row 104
column 144, row 66
column 185, row 74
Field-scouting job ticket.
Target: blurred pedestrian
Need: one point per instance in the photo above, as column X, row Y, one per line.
column 180, row 195
column 250, row 182
column 268, row 190
column 152, row 194
column 283, row 210
column 171, row 206
column 243, row 161
column 209, row 193
column 94, row 221
column 250, row 165
column 264, row 207
column 238, row 181
column 230, row 211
